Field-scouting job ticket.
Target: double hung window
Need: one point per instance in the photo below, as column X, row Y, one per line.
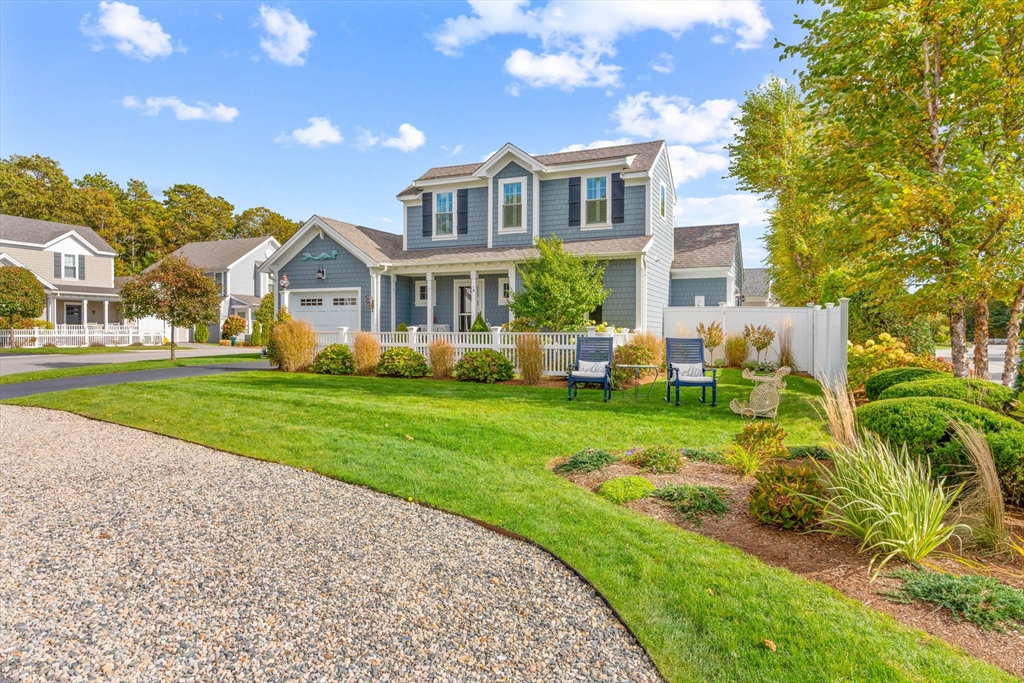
column 597, row 200
column 444, row 225
column 512, row 205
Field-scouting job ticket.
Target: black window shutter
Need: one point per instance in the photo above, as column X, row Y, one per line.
column 81, row 267
column 57, row 265
column 463, row 213
column 618, row 199
column 574, row 201
column 428, row 214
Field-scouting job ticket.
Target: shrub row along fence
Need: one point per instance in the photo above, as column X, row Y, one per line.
column 559, row 347
column 67, row 336
column 819, row 333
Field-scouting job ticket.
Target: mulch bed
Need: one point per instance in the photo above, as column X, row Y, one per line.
column 832, row 560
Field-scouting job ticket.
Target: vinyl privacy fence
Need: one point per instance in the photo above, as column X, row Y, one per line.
column 819, row 332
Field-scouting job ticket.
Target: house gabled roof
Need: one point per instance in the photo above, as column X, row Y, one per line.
column 41, row 233
column 644, row 155
column 755, row 282
column 220, row 254
column 380, row 246
column 706, row 246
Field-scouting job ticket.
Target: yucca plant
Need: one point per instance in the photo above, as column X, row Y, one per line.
column 888, row 500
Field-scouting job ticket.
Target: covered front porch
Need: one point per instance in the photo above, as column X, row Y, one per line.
column 94, row 308
column 449, row 298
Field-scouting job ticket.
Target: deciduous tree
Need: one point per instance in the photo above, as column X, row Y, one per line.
column 559, row 289
column 261, row 221
column 21, row 296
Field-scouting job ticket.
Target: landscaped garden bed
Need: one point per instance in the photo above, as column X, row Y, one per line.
column 818, row 555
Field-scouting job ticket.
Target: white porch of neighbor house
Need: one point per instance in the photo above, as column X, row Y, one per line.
column 448, row 298
column 87, row 309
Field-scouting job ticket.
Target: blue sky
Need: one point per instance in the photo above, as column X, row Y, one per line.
column 332, row 108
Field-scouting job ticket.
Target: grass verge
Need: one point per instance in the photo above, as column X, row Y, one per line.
column 702, row 609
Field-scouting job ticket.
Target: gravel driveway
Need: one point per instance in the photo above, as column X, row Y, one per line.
column 130, row 556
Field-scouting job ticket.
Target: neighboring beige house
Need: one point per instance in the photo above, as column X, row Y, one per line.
column 757, row 287
column 74, row 264
column 234, row 265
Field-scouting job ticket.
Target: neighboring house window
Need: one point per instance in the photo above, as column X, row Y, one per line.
column 270, row 285
column 504, row 290
column 421, row 293
column 70, row 267
column 219, row 279
column 663, row 200
column 444, row 221
column 511, row 204
column 597, row 200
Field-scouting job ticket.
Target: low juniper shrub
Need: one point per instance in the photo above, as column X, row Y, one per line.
column 402, row 361
column 587, row 460
column 694, row 501
column 625, row 489
column 657, row 459
column 785, row 497
column 982, row 600
column 486, row 366
column 705, row 454
column 336, row 359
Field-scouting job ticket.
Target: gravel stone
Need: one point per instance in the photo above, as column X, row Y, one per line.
column 128, row 556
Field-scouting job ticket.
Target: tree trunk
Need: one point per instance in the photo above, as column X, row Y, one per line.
column 958, row 337
column 981, row 337
column 172, row 342
column 1012, row 332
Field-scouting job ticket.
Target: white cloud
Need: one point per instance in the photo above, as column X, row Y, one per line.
column 132, row 34
column 664, row 64
column 409, row 138
column 366, row 139
column 287, row 39
column 689, row 163
column 200, row 111
column 576, row 36
column 676, row 118
column 597, row 144
column 452, row 151
column 318, row 133
column 564, row 70
column 745, row 209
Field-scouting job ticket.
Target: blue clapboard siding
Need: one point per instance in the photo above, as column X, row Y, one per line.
column 345, row 271
column 713, row 289
column 554, row 213
column 619, row 308
column 494, row 314
column 662, row 249
column 513, row 170
column 476, row 237
column 404, row 300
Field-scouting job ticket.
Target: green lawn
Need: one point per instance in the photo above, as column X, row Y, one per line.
column 481, row 451
column 81, row 370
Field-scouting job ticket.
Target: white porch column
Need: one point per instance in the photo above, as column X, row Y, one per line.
column 106, row 313
column 375, row 298
column 511, row 289
column 394, row 308
column 430, row 301
column 473, row 298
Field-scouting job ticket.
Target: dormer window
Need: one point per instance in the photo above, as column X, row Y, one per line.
column 444, row 221
column 70, row 267
column 597, row 201
column 512, row 204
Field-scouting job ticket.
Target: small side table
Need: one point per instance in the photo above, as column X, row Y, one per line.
column 637, row 369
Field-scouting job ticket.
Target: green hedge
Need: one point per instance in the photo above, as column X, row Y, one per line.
column 402, row 361
column 923, row 424
column 883, row 379
column 978, row 392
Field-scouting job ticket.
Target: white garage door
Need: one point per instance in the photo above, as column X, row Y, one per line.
column 327, row 310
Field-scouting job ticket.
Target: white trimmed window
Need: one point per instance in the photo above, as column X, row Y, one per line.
column 219, row 279
column 421, row 293
column 444, row 214
column 597, row 201
column 663, row 200
column 504, row 291
column 512, row 204
column 70, row 267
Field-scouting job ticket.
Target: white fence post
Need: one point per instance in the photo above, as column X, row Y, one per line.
column 343, row 335
column 496, row 338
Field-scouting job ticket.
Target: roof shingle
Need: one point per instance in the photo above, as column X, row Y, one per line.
column 218, row 254
column 706, row 246
column 33, row 231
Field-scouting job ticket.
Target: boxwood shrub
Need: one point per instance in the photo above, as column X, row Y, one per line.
column 882, row 380
column 402, row 361
column 923, row 424
column 335, row 359
column 487, row 366
column 976, row 391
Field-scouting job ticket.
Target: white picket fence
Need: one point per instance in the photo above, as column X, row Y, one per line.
column 68, row 336
column 559, row 347
column 819, row 332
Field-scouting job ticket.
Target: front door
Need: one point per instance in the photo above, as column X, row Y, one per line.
column 72, row 314
column 465, row 308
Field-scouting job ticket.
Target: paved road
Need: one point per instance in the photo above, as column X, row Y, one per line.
column 995, row 359
column 11, row 363
column 129, row 556
column 47, row 385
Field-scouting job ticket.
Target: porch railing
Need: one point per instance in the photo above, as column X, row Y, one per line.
column 68, row 336
column 559, row 347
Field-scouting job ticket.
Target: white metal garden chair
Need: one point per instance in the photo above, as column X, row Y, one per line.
column 764, row 399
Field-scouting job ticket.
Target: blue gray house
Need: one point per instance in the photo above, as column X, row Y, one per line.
column 466, row 227
column 708, row 266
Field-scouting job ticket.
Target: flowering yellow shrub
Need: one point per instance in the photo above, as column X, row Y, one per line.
column 888, row 352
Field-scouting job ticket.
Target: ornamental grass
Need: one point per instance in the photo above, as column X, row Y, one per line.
column 365, row 353
column 441, row 355
column 530, row 354
column 295, row 345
